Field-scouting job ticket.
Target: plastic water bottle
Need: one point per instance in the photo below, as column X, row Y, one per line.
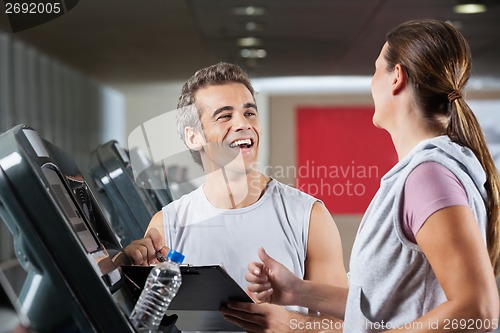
column 161, row 286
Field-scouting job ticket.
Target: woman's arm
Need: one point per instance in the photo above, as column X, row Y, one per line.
column 451, row 241
column 272, row 282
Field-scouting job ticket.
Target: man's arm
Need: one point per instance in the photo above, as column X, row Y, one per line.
column 143, row 251
column 324, row 259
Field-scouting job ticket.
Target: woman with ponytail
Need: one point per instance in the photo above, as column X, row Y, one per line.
column 428, row 247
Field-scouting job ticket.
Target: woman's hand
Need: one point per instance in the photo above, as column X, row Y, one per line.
column 272, row 282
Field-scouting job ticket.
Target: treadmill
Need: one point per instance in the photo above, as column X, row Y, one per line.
column 130, row 200
column 62, row 240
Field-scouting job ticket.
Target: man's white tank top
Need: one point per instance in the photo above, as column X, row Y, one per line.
column 278, row 221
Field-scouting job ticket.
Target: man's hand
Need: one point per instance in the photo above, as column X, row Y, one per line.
column 144, row 251
column 258, row 317
column 268, row 318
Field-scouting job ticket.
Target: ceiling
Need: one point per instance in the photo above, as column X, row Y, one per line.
column 152, row 41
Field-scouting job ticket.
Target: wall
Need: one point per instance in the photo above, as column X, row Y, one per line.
column 151, row 113
column 65, row 107
column 282, row 145
column 147, row 101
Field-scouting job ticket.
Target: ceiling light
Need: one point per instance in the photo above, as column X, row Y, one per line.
column 249, row 11
column 470, row 8
column 249, row 42
column 253, row 53
column 254, row 26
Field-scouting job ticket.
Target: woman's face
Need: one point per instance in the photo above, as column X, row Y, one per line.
column 382, row 90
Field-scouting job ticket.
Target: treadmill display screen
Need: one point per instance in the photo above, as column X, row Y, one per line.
column 78, row 224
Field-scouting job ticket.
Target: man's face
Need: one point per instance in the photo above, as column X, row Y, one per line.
column 230, row 124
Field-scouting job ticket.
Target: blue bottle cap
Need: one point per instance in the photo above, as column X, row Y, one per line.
column 175, row 256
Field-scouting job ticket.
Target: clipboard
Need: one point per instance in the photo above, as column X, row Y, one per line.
column 203, row 291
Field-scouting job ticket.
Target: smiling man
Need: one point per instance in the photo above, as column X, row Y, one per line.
column 239, row 209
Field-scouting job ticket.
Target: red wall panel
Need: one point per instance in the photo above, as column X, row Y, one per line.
column 341, row 156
